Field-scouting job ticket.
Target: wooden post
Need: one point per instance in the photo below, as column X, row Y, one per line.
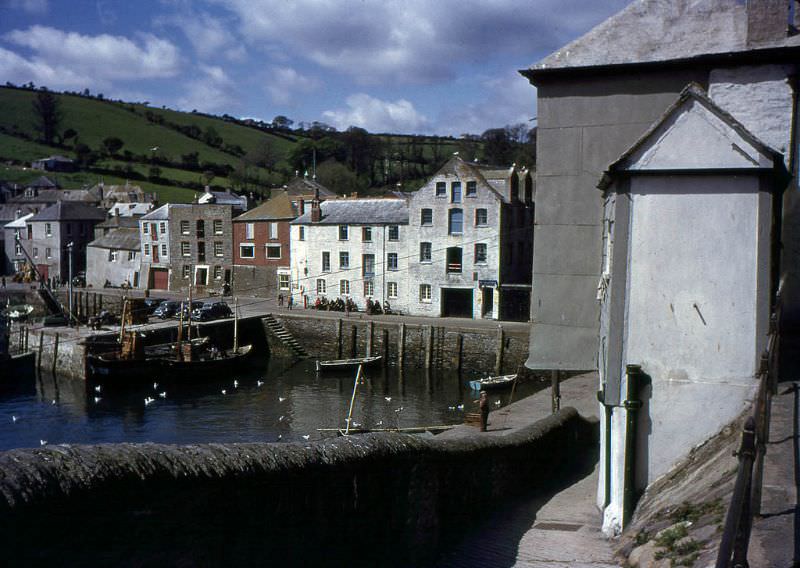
column 27, row 331
column 39, row 358
column 385, row 337
column 353, row 341
column 501, row 344
column 401, row 347
column 429, row 348
column 94, row 303
column 556, row 391
column 339, row 338
column 459, row 351
column 100, row 303
column 55, row 353
column 370, row 336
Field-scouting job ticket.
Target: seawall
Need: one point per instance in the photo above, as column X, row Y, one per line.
column 377, row 499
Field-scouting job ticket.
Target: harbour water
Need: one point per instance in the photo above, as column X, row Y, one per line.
column 272, row 401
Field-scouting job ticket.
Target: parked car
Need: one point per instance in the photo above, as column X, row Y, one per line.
column 211, row 310
column 187, row 310
column 79, row 280
column 167, row 309
column 152, row 304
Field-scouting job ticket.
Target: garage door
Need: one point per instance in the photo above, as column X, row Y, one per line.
column 159, row 278
column 457, row 302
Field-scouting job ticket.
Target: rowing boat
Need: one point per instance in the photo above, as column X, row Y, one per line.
column 344, row 364
column 490, row 383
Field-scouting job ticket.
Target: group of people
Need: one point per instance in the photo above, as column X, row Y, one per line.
column 337, row 305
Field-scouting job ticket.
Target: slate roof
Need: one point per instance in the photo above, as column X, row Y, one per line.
column 124, row 239
column 117, row 222
column 277, row 207
column 463, row 169
column 8, row 212
column 70, row 211
column 223, row 198
column 160, row 214
column 18, row 223
column 43, row 182
column 650, row 31
column 359, row 212
column 53, row 195
column 303, row 186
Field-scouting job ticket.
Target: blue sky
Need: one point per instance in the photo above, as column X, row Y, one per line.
column 407, row 66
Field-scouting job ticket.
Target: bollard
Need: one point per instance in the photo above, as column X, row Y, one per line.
column 429, row 348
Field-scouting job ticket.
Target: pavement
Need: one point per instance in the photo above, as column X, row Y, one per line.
column 561, row 529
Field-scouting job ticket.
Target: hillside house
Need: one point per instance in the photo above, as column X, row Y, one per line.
column 114, row 259
column 55, row 164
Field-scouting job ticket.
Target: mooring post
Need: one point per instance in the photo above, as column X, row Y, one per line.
column 339, row 338
column 401, row 347
column 94, row 303
column 27, row 331
column 385, row 339
column 501, row 344
column 370, row 335
column 353, row 341
column 55, row 353
column 459, row 350
column 39, row 358
column 429, row 348
column 100, row 303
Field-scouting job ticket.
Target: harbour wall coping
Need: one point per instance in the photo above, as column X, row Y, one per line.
column 368, row 500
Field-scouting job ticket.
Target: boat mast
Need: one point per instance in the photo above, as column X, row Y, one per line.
column 236, row 325
column 352, row 402
column 178, row 346
column 122, row 323
column 189, row 332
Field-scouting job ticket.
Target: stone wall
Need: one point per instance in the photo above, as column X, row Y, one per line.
column 372, row 500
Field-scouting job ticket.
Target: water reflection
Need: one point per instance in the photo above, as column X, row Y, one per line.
column 274, row 400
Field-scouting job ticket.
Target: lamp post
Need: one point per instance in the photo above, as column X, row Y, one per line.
column 69, row 282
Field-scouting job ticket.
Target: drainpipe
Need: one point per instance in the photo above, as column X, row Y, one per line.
column 601, row 397
column 632, row 405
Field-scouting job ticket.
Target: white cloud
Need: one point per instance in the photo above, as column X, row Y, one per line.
column 19, row 70
column 283, row 83
column 102, row 57
column 213, row 92
column 31, row 6
column 376, row 115
column 208, row 35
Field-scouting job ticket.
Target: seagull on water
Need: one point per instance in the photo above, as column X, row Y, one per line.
column 280, row 419
column 400, row 409
column 281, row 398
column 42, row 442
column 163, row 394
column 259, row 383
column 235, row 384
column 224, row 391
column 148, row 400
column 387, row 398
column 155, row 386
column 97, row 399
column 54, row 401
column 14, row 419
column 97, row 388
column 306, row 437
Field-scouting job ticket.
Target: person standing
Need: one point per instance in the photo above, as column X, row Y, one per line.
column 483, row 403
column 290, row 301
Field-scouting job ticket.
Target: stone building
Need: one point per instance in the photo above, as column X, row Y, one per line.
column 114, row 258
column 689, row 131
column 187, row 243
column 354, row 248
column 15, row 233
column 11, row 213
column 470, row 254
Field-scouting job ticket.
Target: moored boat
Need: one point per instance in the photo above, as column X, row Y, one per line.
column 490, row 383
column 345, row 364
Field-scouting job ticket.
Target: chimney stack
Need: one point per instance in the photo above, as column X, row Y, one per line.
column 767, row 20
column 316, row 212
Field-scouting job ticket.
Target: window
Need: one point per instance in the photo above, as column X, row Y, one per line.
column 17, row 234
column 454, row 260
column 249, row 231
column 481, row 218
column 217, row 226
column 426, row 217
column 217, row 248
column 30, row 231
column 391, row 261
column 164, row 249
column 147, row 249
column 344, row 287
column 344, row 260
column 283, row 281
column 321, row 286
column 480, row 253
column 301, row 232
column 48, row 230
column 273, row 251
column 368, row 265
column 184, row 227
column 17, row 250
column 455, row 192
column 185, row 251
column 69, row 229
column 343, row 232
column 162, row 227
column 201, row 251
column 35, row 252
column 217, row 273
column 425, row 252
column 187, row 271
column 366, row 234
column 391, row 289
column 48, row 253
column 200, row 227
column 131, row 255
column 425, row 293
column 394, row 233
column 455, row 222
column 369, row 288
column 441, row 189
column 146, row 228
column 247, row 251
column 472, row 189
column 326, row 261
column 273, row 230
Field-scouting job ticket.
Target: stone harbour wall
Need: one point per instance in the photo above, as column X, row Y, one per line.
column 371, row 500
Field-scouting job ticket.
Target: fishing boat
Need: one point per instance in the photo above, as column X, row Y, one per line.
column 347, row 364
column 492, row 383
column 207, row 361
column 124, row 364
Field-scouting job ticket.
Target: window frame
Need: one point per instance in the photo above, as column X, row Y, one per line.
column 344, row 232
column 185, row 227
column 425, row 252
column 249, row 231
column 481, row 211
column 425, row 293
column 186, row 248
column 366, row 234
column 344, row 260
column 344, row 287
column 325, row 258
column 392, row 289
column 272, row 247
column 243, row 246
column 450, row 214
column 456, row 196
column 485, row 253
column 219, row 251
column 216, row 225
column 322, row 286
column 393, row 233
column 472, row 189
column 369, row 288
column 423, row 213
column 441, row 189
column 392, row 261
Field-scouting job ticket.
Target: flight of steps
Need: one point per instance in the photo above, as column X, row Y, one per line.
column 286, row 338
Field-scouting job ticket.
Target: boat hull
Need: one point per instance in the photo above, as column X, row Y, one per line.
column 347, row 364
column 493, row 383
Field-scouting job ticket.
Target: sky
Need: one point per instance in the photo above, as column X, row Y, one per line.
column 445, row 67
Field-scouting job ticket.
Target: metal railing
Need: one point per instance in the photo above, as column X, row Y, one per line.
column 746, row 500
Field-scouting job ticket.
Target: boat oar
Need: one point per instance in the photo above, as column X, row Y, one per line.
column 352, row 401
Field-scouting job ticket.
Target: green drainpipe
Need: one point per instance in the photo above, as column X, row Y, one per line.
column 632, row 405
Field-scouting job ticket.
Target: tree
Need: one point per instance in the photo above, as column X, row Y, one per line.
column 112, row 144
column 339, row 177
column 497, row 147
column 154, row 173
column 69, row 134
column 282, row 122
column 264, row 156
column 212, row 137
column 47, row 114
column 84, row 154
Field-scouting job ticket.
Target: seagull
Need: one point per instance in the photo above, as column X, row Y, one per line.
column 154, row 149
column 460, row 407
column 148, row 400
column 97, row 399
column 97, row 388
column 14, row 419
column 281, row 398
column 54, row 401
column 42, row 442
column 306, row 437
column 155, row 386
column 235, row 384
column 356, row 424
column 380, row 423
column 259, row 383
column 400, row 409
column 163, row 394
column 280, row 419
column 224, row 391
column 280, row 436
column 451, row 408
column 497, row 403
column 387, row 398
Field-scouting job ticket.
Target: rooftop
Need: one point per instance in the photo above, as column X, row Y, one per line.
column 277, row 207
column 125, row 239
column 359, row 212
column 70, row 211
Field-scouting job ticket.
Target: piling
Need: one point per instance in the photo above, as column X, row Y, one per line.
column 353, row 341
column 401, row 347
column 555, row 391
column 370, row 336
column 94, row 303
column 27, row 331
column 339, row 338
column 385, row 340
column 55, row 353
column 100, row 302
column 39, row 357
column 501, row 344
column 459, row 351
column 429, row 348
